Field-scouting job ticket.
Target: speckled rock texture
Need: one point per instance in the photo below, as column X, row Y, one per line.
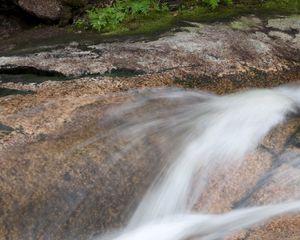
column 54, row 10
column 211, row 49
column 46, row 9
column 251, row 186
column 59, row 178
column 70, row 183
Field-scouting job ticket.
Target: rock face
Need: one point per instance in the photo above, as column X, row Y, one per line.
column 12, row 19
column 47, row 9
column 54, row 10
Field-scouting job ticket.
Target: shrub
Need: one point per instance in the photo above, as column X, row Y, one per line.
column 215, row 3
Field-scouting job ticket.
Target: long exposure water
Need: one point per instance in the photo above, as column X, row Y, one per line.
column 200, row 133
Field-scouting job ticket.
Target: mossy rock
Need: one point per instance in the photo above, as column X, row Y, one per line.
column 246, row 23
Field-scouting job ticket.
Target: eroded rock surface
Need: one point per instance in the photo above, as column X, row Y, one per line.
column 75, row 181
column 212, row 49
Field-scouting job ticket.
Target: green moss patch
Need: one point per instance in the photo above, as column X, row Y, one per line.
column 128, row 17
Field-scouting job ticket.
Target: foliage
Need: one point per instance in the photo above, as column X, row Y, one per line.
column 215, row 3
column 80, row 24
column 110, row 18
column 132, row 17
column 289, row 6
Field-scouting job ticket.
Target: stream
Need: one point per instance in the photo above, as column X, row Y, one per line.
column 190, row 133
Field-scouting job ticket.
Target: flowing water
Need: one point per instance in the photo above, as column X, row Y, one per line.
column 201, row 133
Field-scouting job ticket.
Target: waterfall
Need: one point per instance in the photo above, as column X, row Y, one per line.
column 204, row 132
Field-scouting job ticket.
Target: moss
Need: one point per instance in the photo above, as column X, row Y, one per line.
column 122, row 12
column 239, row 25
column 191, row 11
column 152, row 23
column 282, row 6
column 245, row 23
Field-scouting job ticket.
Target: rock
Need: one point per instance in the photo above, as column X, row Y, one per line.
column 262, row 36
column 285, row 24
column 59, row 178
column 246, row 23
column 8, row 91
column 296, row 41
column 74, row 44
column 270, row 175
column 214, row 49
column 68, row 184
column 47, row 9
column 5, row 129
column 172, row 4
column 281, row 35
column 247, row 181
column 12, row 19
column 75, row 3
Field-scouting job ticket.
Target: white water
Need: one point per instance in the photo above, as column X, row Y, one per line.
column 208, row 131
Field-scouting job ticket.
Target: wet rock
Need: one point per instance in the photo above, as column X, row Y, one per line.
column 227, row 191
column 73, row 185
column 268, row 176
column 278, row 138
column 214, row 49
column 5, row 129
column 74, row 44
column 58, row 170
column 70, row 184
column 8, row 91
